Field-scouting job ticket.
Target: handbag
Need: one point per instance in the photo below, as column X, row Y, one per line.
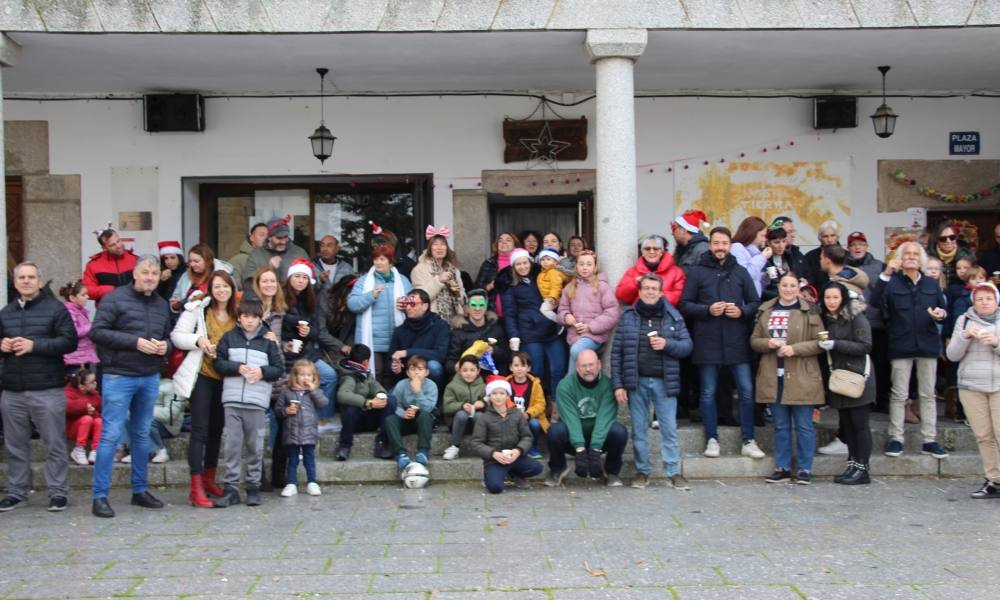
column 848, row 383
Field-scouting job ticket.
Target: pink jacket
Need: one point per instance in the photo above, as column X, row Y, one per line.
column 599, row 311
column 85, row 352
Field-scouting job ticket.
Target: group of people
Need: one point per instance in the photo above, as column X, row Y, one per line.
column 267, row 347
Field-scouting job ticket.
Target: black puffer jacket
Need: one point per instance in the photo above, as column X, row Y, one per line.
column 463, row 337
column 852, row 337
column 47, row 323
column 123, row 317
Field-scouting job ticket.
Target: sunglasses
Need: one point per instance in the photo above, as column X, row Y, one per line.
column 652, row 249
column 948, row 238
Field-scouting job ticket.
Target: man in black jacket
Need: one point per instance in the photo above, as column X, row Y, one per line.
column 422, row 333
column 912, row 306
column 132, row 334
column 35, row 332
column 479, row 324
column 720, row 301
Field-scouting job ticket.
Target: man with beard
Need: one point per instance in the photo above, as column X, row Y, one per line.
column 278, row 252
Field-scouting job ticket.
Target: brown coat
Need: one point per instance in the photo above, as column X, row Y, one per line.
column 803, row 382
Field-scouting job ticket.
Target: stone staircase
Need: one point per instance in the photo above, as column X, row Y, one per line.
column 362, row 467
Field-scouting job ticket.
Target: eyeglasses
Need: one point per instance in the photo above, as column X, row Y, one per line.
column 948, row 238
column 652, row 249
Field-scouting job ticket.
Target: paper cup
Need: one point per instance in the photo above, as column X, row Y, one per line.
column 824, row 336
column 296, row 346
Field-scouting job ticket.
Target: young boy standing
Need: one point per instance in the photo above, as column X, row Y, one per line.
column 529, row 397
column 463, row 402
column 502, row 439
column 249, row 363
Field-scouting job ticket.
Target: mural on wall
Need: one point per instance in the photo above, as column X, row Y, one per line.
column 808, row 192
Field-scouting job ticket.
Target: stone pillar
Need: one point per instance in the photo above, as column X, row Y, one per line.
column 10, row 54
column 614, row 52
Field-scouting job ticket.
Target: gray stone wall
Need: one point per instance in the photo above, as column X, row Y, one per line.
column 263, row 16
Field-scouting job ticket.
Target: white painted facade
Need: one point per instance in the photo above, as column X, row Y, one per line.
column 456, row 138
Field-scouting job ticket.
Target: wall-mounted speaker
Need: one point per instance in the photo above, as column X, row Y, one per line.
column 835, row 112
column 173, row 112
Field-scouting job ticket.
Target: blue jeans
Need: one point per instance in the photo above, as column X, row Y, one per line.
column 579, row 346
column 536, row 432
column 131, row 399
column 652, row 390
column 494, row 473
column 436, row 372
column 555, row 351
column 708, row 376
column 327, row 383
column 785, row 416
column 308, row 459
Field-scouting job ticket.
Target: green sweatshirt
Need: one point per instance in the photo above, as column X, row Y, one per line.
column 458, row 392
column 586, row 411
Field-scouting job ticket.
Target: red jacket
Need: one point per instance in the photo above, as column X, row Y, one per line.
column 77, row 401
column 627, row 291
column 105, row 272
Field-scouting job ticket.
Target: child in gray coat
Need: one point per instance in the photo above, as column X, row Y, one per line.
column 299, row 405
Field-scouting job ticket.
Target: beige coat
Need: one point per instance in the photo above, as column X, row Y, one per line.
column 803, row 382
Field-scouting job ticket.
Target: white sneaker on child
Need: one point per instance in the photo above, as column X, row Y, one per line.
column 160, row 457
column 450, row 453
column 127, row 459
column 290, row 490
column 79, row 455
column 92, row 457
column 313, row 489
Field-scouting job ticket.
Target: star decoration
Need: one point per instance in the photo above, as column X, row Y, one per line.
column 544, row 148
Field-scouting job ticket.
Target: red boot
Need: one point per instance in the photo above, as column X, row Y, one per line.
column 208, row 479
column 197, row 495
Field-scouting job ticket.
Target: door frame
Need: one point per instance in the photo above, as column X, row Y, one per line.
column 582, row 200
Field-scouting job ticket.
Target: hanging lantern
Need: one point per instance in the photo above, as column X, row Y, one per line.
column 884, row 118
column 321, row 139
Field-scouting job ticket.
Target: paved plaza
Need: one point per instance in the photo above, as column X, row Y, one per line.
column 906, row 538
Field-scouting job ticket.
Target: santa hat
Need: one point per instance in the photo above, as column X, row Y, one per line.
column 517, row 254
column 303, row 266
column 496, row 382
column 170, row 247
column 692, row 221
column 549, row 252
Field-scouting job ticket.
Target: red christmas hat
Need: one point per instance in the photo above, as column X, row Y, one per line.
column 692, row 221
column 497, row 382
column 303, row 266
column 170, row 247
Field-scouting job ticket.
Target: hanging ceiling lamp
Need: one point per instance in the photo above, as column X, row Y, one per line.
column 321, row 139
column 884, row 118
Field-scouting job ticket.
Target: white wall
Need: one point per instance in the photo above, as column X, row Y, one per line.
column 455, row 138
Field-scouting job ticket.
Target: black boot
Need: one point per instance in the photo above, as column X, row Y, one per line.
column 146, row 500
column 230, row 496
column 859, row 476
column 851, row 466
column 253, row 496
column 102, row 508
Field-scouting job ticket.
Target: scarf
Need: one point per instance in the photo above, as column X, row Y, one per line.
column 503, row 261
column 365, row 322
column 651, row 311
column 992, row 319
column 447, row 303
column 947, row 258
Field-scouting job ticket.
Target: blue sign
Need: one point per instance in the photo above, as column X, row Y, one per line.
column 963, row 142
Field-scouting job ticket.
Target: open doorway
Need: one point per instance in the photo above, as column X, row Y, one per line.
column 567, row 215
column 984, row 221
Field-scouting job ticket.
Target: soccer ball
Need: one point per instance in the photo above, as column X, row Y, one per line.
column 415, row 476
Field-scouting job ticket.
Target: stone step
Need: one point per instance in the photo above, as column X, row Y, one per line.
column 694, row 466
column 954, row 437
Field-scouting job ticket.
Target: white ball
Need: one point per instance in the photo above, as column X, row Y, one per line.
column 415, row 476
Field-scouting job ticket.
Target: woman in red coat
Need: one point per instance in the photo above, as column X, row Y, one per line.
column 83, row 415
column 653, row 259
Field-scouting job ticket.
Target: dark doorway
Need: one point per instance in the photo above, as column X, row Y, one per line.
column 566, row 215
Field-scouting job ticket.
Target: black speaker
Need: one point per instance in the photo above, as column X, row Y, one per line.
column 835, row 112
column 174, row 112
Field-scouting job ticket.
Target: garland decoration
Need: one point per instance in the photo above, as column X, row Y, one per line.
column 930, row 192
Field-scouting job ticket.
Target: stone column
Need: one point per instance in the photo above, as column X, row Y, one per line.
column 10, row 54
column 614, row 52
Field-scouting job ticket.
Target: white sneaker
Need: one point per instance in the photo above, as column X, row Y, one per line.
column 450, row 453
column 79, row 455
column 655, row 424
column 313, row 489
column 127, row 459
column 329, row 428
column 834, row 447
column 290, row 490
column 712, row 448
column 750, row 449
column 92, row 457
column 161, row 456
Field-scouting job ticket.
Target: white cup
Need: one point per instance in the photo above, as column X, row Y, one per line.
column 296, row 346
